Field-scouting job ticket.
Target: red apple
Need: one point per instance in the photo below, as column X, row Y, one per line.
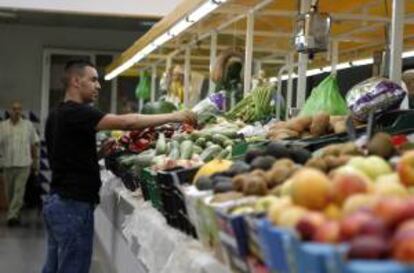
column 405, row 168
column 309, row 223
column 348, row 181
column 375, row 226
column 406, row 226
column 391, row 210
column 408, row 211
column 368, row 247
column 403, row 246
column 351, row 224
column 328, row 232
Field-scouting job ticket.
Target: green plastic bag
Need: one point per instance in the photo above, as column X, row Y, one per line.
column 143, row 90
column 327, row 98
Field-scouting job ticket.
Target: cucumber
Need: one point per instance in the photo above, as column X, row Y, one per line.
column 201, row 142
column 225, row 153
column 196, row 135
column 210, row 153
column 209, row 144
column 161, row 146
column 220, row 139
column 186, row 149
column 197, row 149
column 175, row 150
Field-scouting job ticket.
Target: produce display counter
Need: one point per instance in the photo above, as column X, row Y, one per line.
column 136, row 237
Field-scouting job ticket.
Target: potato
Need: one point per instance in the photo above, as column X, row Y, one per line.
column 350, row 149
column 320, row 124
column 285, row 162
column 317, row 163
column 333, row 149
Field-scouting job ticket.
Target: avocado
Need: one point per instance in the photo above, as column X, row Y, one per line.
column 252, row 154
column 300, row 155
column 204, row 183
column 239, row 167
column 277, row 150
column 223, row 185
column 263, row 162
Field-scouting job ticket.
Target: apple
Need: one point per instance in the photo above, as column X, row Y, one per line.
column 403, row 246
column 375, row 226
column 391, row 210
column 311, row 189
column 275, row 210
column 406, row 226
column 373, row 166
column 358, row 201
column 390, row 188
column 332, row 212
column 264, row 203
column 369, row 247
column 405, row 168
column 348, row 181
column 309, row 223
column 328, row 232
column 351, row 224
column 290, row 216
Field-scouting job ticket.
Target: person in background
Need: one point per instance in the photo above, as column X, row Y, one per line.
column 408, row 79
column 71, row 144
column 19, row 147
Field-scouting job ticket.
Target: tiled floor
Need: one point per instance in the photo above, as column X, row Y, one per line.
column 22, row 249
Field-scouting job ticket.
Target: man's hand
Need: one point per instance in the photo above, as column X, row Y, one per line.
column 187, row 117
column 35, row 166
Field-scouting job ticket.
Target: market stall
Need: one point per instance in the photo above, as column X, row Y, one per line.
column 321, row 185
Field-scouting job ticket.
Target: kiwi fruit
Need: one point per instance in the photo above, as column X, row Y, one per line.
column 381, row 145
column 317, row 163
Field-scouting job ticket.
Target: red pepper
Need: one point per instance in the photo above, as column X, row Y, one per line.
column 142, row 144
column 399, row 140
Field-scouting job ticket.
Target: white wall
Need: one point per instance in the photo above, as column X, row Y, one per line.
column 108, row 7
column 21, row 50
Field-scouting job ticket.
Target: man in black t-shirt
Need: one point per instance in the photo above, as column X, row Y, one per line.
column 71, row 143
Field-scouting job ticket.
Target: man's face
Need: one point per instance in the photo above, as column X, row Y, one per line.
column 16, row 111
column 89, row 85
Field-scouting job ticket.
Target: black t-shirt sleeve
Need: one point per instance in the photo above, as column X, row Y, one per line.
column 87, row 117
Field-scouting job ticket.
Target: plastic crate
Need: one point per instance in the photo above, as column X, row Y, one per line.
column 236, row 262
column 280, row 248
column 252, row 233
column 320, row 258
column 173, row 200
column 362, row 266
column 149, row 181
column 257, row 266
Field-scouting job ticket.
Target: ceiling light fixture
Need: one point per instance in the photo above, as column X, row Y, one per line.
column 176, row 30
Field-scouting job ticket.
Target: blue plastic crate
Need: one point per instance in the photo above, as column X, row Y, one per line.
column 232, row 231
column 321, row 258
column 366, row 266
column 252, row 232
column 280, row 248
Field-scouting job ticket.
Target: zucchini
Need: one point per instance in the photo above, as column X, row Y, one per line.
column 220, row 139
column 210, row 153
column 197, row 149
column 225, row 153
column 186, row 149
column 161, row 146
column 175, row 150
column 201, row 142
column 209, row 144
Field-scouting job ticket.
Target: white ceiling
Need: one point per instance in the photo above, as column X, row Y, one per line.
column 135, row 8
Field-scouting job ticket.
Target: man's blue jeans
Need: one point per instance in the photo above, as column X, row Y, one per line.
column 69, row 226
